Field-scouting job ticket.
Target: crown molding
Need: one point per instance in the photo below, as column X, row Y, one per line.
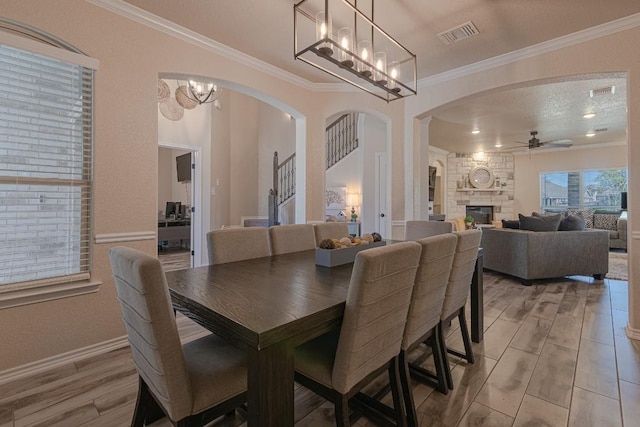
column 622, row 24
column 172, row 29
column 167, row 27
column 438, row 150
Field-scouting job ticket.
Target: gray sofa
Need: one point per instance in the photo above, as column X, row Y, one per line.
column 531, row 255
column 615, row 224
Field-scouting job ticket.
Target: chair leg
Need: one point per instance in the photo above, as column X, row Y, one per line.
column 396, row 392
column 342, row 411
column 407, row 393
column 147, row 409
column 445, row 359
column 465, row 336
column 436, row 349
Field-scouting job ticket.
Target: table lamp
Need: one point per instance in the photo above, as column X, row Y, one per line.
column 353, row 199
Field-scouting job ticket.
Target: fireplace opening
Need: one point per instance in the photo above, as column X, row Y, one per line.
column 481, row 214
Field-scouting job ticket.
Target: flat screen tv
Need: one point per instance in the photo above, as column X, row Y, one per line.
column 183, row 166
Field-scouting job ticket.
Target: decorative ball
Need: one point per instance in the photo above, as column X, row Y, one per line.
column 376, row 237
column 357, row 241
column 367, row 237
column 345, row 241
column 327, row 244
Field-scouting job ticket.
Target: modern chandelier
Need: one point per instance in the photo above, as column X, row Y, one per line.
column 195, row 93
column 359, row 52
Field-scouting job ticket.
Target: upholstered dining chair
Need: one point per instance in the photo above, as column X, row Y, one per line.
column 191, row 384
column 415, row 230
column 237, row 244
column 291, row 238
column 464, row 262
column 423, row 321
column 331, row 230
column 339, row 364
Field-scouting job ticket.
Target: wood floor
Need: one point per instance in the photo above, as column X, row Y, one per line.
column 554, row 354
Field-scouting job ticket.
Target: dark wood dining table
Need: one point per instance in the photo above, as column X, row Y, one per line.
column 270, row 305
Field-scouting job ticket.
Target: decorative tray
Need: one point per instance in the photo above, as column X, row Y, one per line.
column 335, row 257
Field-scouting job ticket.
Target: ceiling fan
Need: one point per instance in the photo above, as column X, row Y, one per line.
column 534, row 142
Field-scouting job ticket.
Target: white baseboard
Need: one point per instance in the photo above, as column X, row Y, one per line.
column 632, row 333
column 58, row 360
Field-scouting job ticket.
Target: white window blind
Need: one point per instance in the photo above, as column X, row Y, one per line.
column 46, row 114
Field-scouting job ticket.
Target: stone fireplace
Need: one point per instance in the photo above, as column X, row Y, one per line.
column 496, row 200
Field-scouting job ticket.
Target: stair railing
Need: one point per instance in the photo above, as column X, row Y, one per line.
column 284, row 185
column 342, row 138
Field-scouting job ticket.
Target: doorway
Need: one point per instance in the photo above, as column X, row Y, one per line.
column 177, row 217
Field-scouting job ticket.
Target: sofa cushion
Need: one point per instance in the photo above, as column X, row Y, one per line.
column 571, row 223
column 605, row 221
column 510, row 224
column 540, row 222
column 587, row 214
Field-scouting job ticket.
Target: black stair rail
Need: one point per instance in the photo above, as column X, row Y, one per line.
column 342, row 138
column 284, row 185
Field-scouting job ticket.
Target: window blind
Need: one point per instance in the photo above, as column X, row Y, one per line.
column 46, row 114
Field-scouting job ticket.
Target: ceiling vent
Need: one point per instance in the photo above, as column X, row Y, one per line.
column 609, row 90
column 458, row 33
column 601, row 130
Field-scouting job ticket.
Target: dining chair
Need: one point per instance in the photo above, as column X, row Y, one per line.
column 237, row 244
column 191, row 384
column 423, row 320
column 462, row 269
column 415, row 230
column 291, row 238
column 339, row 364
column 330, row 230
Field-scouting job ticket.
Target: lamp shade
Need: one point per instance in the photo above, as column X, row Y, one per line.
column 353, row 199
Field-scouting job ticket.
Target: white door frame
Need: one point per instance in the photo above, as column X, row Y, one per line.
column 386, row 232
column 196, row 199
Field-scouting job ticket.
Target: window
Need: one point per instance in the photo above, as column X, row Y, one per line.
column 596, row 189
column 46, row 138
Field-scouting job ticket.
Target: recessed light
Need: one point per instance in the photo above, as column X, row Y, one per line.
column 589, row 115
column 475, row 131
column 590, row 134
column 498, row 145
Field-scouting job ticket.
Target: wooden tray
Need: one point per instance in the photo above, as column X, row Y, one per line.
column 335, row 257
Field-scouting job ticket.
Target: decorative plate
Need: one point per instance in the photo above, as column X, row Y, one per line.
column 481, row 177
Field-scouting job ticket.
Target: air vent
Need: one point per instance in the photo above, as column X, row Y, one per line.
column 458, row 33
column 609, row 90
column 601, row 130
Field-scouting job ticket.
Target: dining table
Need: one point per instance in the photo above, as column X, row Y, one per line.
column 268, row 306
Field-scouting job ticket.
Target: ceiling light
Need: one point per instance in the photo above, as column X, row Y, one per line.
column 589, row 115
column 590, row 134
column 195, row 93
column 498, row 144
column 359, row 52
column 475, row 131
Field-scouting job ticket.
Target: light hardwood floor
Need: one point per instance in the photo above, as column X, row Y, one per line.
column 554, row 354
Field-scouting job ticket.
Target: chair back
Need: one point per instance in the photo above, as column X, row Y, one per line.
column 151, row 328
column 464, row 263
column 331, row 230
column 291, row 238
column 237, row 244
column 432, row 278
column 375, row 314
column 415, row 230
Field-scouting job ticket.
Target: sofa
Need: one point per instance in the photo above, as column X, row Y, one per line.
column 615, row 224
column 530, row 255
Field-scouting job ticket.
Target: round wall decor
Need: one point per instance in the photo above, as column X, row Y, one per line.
column 481, row 177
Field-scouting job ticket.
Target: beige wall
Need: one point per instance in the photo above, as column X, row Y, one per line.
column 132, row 56
column 529, row 167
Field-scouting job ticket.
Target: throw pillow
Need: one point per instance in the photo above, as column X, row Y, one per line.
column 540, row 223
column 571, row 223
column 587, row 214
column 510, row 224
column 459, row 223
column 605, row 221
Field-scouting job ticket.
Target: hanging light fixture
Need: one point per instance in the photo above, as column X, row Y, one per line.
column 194, row 93
column 359, row 52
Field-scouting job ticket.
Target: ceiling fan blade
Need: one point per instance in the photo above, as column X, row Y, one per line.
column 556, row 144
column 558, row 141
